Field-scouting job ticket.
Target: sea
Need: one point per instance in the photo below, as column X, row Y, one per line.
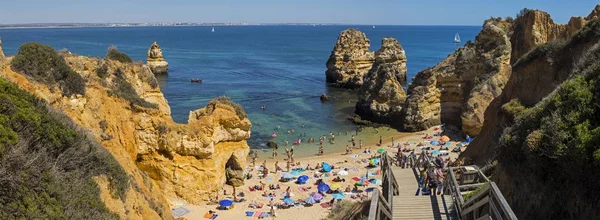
column 280, row 67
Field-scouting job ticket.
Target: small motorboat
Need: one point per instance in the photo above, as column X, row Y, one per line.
column 196, row 80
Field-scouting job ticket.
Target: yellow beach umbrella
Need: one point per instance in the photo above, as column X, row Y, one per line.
column 335, row 186
column 445, row 138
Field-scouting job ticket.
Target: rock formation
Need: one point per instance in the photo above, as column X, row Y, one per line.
column 382, row 95
column 350, row 59
column 166, row 161
column 324, row 98
column 155, row 60
column 1, row 52
column 457, row 90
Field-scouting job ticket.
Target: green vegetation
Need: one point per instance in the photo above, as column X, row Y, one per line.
column 224, row 100
column 114, row 54
column 523, row 12
column 122, row 89
column 590, row 30
column 514, row 108
column 470, row 194
column 546, row 50
column 345, row 210
column 46, row 163
column 554, row 149
column 102, row 71
column 43, row 63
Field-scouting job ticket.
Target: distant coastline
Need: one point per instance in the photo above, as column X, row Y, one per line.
column 117, row 25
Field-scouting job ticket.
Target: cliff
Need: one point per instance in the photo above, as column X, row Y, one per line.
column 1, row 52
column 382, row 95
column 125, row 111
column 155, row 60
column 457, row 90
column 350, row 60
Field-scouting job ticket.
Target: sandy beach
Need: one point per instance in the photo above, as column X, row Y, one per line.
column 355, row 164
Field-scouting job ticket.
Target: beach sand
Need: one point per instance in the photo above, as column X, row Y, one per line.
column 337, row 159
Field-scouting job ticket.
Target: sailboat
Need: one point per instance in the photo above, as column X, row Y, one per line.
column 456, row 38
column 373, row 26
column 213, row 29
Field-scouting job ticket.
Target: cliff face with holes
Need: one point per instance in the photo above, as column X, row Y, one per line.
column 382, row 95
column 164, row 160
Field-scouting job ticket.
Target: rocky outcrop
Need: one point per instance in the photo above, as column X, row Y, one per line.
column 155, row 60
column 165, row 160
column 324, row 98
column 458, row 90
column 381, row 97
column 350, row 60
column 1, row 52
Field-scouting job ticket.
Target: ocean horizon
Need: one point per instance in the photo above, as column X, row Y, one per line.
column 280, row 66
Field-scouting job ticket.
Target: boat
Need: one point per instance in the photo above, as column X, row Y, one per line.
column 456, row 38
column 196, row 80
column 213, row 29
column 373, row 26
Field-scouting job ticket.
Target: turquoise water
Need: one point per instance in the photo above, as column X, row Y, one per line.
column 282, row 67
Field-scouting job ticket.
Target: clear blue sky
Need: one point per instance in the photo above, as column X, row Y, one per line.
column 412, row 12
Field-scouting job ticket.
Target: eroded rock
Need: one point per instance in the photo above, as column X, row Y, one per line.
column 350, row 59
column 155, row 60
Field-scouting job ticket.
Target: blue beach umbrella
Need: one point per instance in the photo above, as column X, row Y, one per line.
column 338, row 196
column 369, row 189
column 310, row 200
column 225, row 202
column 323, row 187
column 435, row 152
column 288, row 201
column 287, row 176
column 375, row 181
column 316, row 196
column 302, row 179
column 434, row 143
column 469, row 140
column 326, row 167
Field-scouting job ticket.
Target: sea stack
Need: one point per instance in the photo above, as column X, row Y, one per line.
column 382, row 95
column 155, row 60
column 350, row 60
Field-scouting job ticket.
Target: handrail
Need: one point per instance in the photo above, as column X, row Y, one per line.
column 488, row 202
column 381, row 202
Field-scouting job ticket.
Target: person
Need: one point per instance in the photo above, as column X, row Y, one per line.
column 264, row 164
column 392, row 141
column 439, row 161
column 440, row 177
column 308, row 167
column 288, row 166
column 380, row 140
column 274, row 153
column 432, row 175
column 348, row 189
column 321, row 150
column 318, row 166
column 265, row 172
column 360, row 144
column 332, row 137
column 286, row 143
column 292, row 150
column 347, row 149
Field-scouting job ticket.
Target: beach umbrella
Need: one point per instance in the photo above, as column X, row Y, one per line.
column 435, row 152
column 445, row 138
column 469, row 140
column 369, row 189
column 287, row 176
column 335, row 186
column 338, row 196
column 363, row 183
column 326, row 167
column 310, row 200
column 323, row 187
column 434, row 143
column 288, row 201
column 355, row 178
column 225, row 202
column 342, row 173
column 381, row 150
column 375, row 181
column 316, row 196
column 302, row 179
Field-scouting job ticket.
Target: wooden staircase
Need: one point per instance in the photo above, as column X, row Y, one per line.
column 408, row 206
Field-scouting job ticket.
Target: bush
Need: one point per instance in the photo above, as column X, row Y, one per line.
column 122, row 89
column 545, row 50
column 513, row 108
column 345, row 209
column 48, row 163
column 523, row 12
column 240, row 112
column 44, row 64
column 102, row 71
column 114, row 54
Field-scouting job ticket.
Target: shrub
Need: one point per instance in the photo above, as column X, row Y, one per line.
column 513, row 108
column 523, row 12
column 545, row 50
column 43, row 63
column 345, row 209
column 240, row 112
column 114, row 54
column 102, row 71
column 122, row 89
column 47, row 167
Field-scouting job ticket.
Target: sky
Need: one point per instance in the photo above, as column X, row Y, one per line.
column 382, row 12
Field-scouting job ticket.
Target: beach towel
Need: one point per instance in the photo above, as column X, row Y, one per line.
column 355, row 156
column 353, row 169
column 264, row 215
column 214, row 216
column 326, row 205
column 302, row 189
column 208, row 215
column 249, row 214
column 257, row 214
column 180, row 212
column 355, row 178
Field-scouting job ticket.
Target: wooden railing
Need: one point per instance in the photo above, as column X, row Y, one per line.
column 487, row 203
column 381, row 202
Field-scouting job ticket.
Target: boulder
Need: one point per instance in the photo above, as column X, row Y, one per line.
column 324, row 98
column 155, row 60
column 350, row 60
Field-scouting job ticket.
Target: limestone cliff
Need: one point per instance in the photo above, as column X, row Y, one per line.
column 164, row 160
column 155, row 60
column 382, row 95
column 1, row 52
column 350, row 60
column 457, row 90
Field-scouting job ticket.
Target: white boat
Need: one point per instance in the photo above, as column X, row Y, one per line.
column 213, row 29
column 456, row 38
column 373, row 26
